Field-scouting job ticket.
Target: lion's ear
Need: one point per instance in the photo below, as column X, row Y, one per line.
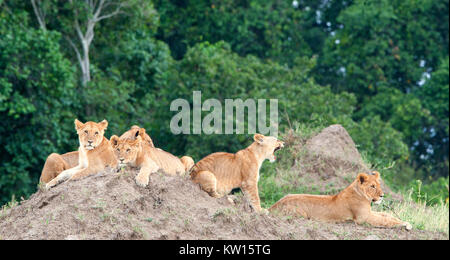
column 361, row 178
column 78, row 124
column 259, row 138
column 114, row 140
column 142, row 132
column 377, row 174
column 104, row 124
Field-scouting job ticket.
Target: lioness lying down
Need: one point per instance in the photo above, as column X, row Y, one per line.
column 353, row 203
column 219, row 173
column 134, row 151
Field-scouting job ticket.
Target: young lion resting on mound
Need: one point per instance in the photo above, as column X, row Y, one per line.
column 94, row 154
column 56, row 163
column 353, row 203
column 139, row 153
column 219, row 173
column 136, row 131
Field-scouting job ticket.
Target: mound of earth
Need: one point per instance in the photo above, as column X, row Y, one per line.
column 336, row 146
column 109, row 205
column 328, row 159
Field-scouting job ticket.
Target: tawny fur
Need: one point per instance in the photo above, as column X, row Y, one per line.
column 137, row 131
column 353, row 203
column 188, row 163
column 219, row 173
column 138, row 153
column 56, row 163
column 164, row 159
column 94, row 154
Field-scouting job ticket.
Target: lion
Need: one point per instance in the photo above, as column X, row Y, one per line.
column 219, row 173
column 56, row 163
column 353, row 203
column 94, row 154
column 137, row 152
column 137, row 131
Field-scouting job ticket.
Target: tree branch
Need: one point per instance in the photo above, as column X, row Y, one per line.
column 76, row 49
column 115, row 12
column 40, row 16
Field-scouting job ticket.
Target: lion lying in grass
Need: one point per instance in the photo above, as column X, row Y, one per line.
column 353, row 203
column 219, row 173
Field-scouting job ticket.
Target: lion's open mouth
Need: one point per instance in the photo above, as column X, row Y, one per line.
column 274, row 151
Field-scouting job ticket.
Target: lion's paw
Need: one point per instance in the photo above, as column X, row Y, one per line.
column 230, row 200
column 49, row 185
column 263, row 211
column 407, row 226
column 141, row 181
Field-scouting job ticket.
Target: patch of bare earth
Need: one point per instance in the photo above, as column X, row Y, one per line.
column 110, row 205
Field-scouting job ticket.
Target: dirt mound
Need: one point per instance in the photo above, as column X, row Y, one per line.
column 334, row 144
column 110, row 205
column 326, row 162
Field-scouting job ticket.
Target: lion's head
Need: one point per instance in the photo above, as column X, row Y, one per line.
column 137, row 131
column 126, row 150
column 90, row 133
column 269, row 145
column 369, row 184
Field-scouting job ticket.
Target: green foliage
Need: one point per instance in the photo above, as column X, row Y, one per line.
column 266, row 29
column 431, row 193
column 36, row 103
column 434, row 139
column 383, row 53
column 378, row 141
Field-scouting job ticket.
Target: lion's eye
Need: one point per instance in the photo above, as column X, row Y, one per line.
column 373, row 186
column 96, row 133
column 118, row 149
column 85, row 131
column 128, row 150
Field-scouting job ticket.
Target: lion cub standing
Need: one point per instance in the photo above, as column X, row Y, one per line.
column 94, row 154
column 137, row 152
column 219, row 173
column 353, row 203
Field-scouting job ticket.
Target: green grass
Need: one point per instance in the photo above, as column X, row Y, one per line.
column 421, row 216
column 7, row 206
